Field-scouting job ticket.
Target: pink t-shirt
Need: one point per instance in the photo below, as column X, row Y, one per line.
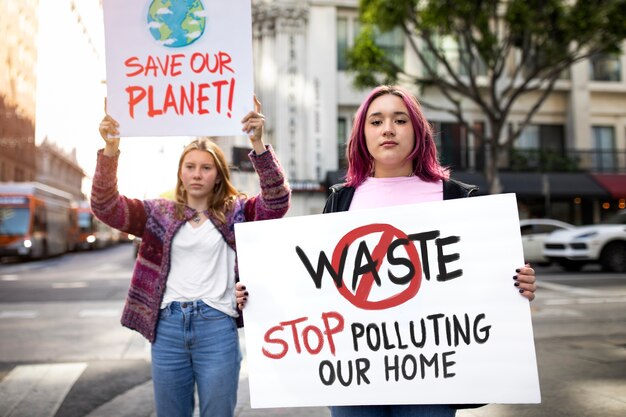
column 386, row 192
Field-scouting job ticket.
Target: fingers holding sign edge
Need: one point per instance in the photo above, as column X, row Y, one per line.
column 241, row 295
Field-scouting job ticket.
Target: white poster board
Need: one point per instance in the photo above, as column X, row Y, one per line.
column 445, row 325
column 178, row 68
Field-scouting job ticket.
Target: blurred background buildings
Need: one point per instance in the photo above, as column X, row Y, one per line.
column 569, row 164
column 18, row 83
column 37, row 131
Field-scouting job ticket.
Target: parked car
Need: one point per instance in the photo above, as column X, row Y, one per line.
column 534, row 233
column 603, row 243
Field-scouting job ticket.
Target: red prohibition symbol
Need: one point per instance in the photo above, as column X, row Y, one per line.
column 361, row 296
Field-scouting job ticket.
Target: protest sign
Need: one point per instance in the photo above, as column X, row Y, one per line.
column 178, row 68
column 403, row 305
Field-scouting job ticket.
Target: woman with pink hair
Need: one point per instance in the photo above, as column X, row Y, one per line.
column 392, row 160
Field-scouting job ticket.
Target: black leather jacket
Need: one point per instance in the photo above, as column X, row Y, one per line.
column 341, row 196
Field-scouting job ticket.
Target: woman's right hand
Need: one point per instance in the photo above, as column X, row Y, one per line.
column 110, row 134
column 241, row 295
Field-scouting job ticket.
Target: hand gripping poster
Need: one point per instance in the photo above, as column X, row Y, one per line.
column 410, row 304
column 178, row 67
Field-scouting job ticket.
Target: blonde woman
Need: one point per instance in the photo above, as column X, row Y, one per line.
column 181, row 296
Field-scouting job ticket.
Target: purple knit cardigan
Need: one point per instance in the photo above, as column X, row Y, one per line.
column 155, row 222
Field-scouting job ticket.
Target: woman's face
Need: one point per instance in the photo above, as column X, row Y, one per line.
column 198, row 174
column 389, row 136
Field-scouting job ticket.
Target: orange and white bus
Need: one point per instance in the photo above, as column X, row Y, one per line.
column 91, row 232
column 34, row 220
column 85, row 226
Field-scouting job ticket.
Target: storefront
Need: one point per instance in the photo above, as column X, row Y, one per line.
column 572, row 197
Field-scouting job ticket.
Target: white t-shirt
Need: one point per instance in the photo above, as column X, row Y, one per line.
column 202, row 268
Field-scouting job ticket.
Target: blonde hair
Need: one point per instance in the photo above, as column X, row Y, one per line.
column 224, row 192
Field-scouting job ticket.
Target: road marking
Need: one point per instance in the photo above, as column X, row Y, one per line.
column 98, row 313
column 37, row 390
column 69, row 285
column 132, row 403
column 556, row 312
column 83, row 314
column 598, row 300
column 11, row 277
column 567, row 288
column 108, row 275
column 17, row 314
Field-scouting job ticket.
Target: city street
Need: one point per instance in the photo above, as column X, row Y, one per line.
column 63, row 352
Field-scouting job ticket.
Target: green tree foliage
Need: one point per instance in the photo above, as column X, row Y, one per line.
column 507, row 49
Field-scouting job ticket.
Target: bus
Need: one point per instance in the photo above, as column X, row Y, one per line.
column 35, row 220
column 84, row 226
column 91, row 232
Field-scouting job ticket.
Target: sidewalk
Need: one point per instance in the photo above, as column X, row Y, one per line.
column 243, row 398
column 139, row 402
column 243, row 407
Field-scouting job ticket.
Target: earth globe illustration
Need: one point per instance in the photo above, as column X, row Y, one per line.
column 176, row 23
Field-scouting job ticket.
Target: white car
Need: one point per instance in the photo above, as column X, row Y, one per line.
column 534, row 233
column 603, row 243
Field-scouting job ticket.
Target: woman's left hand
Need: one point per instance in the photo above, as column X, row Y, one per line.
column 241, row 295
column 253, row 123
column 525, row 281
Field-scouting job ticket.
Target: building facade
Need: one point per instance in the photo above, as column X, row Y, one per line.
column 39, row 124
column 570, row 163
column 18, row 83
column 59, row 169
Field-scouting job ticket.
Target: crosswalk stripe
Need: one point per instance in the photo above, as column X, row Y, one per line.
column 9, row 277
column 568, row 289
column 37, row 390
column 63, row 285
column 19, row 314
column 599, row 300
column 133, row 403
column 88, row 313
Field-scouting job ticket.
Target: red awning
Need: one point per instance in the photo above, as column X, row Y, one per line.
column 615, row 184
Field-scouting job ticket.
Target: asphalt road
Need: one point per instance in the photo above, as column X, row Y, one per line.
column 64, row 354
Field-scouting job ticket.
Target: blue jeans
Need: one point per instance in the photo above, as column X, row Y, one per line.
column 195, row 345
column 393, row 411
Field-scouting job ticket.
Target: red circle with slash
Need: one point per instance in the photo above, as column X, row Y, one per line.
column 360, row 298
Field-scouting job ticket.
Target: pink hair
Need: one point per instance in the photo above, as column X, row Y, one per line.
column 424, row 156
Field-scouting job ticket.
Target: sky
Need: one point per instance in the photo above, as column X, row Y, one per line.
column 70, row 101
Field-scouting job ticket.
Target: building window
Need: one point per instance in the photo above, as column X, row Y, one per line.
column 604, row 148
column 241, row 160
column 451, row 144
column 540, row 147
column 538, row 60
column 392, row 42
column 451, row 141
column 342, row 140
column 605, row 67
column 348, row 27
column 347, row 31
column 529, row 138
column 542, row 137
column 456, row 55
column 458, row 147
column 18, row 175
column 342, row 43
